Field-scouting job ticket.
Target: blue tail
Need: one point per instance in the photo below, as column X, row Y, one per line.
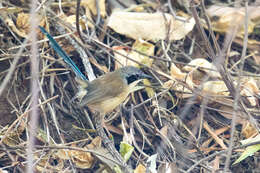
column 63, row 54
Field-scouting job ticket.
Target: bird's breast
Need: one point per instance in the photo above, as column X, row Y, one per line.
column 108, row 104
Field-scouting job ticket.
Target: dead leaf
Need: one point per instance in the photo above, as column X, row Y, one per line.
column 72, row 20
column 44, row 165
column 200, row 64
column 23, row 24
column 96, row 142
column 146, row 49
column 164, row 131
column 180, row 90
column 215, row 88
column 90, row 9
column 248, row 130
column 225, row 18
column 63, row 154
column 176, row 73
column 81, row 159
column 150, row 26
column 140, row 169
column 91, row 5
column 250, row 89
column 12, row 139
column 85, row 160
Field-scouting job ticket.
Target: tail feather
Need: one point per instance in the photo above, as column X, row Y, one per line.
column 63, row 54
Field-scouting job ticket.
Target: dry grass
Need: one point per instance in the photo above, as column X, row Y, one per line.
column 39, row 120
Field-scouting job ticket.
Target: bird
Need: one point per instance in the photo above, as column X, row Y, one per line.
column 106, row 92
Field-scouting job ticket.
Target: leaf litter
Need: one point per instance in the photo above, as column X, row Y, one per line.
column 183, row 118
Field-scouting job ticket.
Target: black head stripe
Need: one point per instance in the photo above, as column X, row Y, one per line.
column 130, row 79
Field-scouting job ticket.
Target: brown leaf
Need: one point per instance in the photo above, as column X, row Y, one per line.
column 139, row 46
column 215, row 88
column 250, row 89
column 150, row 26
column 23, row 24
column 225, row 18
column 202, row 65
column 248, row 130
column 91, row 5
column 140, row 169
column 81, row 159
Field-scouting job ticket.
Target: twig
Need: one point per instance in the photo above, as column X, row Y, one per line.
column 237, row 96
column 219, row 153
column 22, row 116
column 12, row 67
column 77, row 21
column 34, row 88
column 217, row 139
column 98, row 117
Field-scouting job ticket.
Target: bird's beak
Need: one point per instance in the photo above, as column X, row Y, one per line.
column 145, row 76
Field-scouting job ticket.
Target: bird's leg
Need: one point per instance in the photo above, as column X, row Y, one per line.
column 98, row 118
column 106, row 129
column 99, row 122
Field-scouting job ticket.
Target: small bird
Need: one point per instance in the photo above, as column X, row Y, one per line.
column 106, row 92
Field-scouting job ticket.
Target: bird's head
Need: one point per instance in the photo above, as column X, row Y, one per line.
column 132, row 76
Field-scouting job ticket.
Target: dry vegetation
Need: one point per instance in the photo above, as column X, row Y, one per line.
column 193, row 116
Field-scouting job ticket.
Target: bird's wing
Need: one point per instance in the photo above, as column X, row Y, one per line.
column 104, row 88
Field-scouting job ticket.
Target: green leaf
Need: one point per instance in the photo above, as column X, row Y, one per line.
column 126, row 150
column 117, row 169
column 249, row 150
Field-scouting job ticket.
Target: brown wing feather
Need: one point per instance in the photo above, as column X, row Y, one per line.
column 103, row 88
